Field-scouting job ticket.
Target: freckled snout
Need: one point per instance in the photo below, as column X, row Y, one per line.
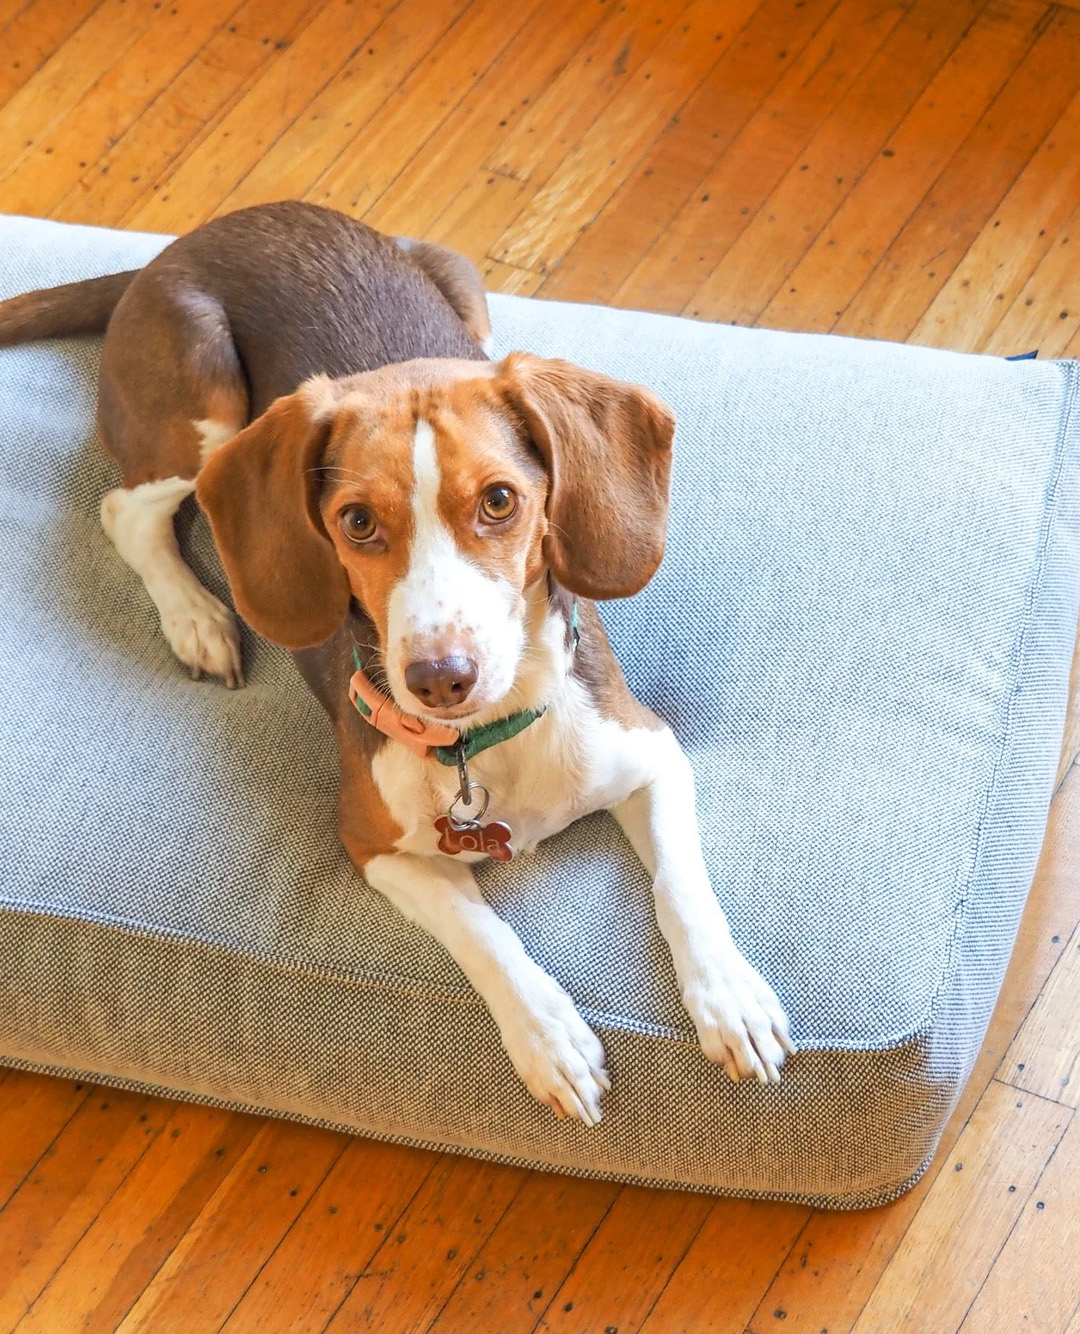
column 441, row 684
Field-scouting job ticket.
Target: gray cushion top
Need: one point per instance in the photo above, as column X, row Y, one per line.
column 861, row 633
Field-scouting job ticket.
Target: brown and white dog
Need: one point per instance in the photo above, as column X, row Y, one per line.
column 426, row 529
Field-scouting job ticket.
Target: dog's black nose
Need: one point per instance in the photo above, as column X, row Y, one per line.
column 443, row 683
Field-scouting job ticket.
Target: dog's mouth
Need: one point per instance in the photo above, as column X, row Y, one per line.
column 462, row 713
column 462, row 716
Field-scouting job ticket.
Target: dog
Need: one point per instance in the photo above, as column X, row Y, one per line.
column 427, row 530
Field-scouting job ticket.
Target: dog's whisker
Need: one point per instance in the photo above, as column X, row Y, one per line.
column 326, row 469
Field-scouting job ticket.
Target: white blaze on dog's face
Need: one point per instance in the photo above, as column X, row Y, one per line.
column 448, row 609
column 436, row 505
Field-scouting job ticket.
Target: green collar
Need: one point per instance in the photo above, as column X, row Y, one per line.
column 471, row 744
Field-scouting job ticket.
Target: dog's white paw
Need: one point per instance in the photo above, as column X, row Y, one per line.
column 202, row 632
column 556, row 1053
column 740, row 1023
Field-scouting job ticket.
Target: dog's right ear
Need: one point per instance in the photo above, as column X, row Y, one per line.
column 260, row 492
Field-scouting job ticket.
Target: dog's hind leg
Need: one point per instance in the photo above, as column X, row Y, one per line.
column 172, row 391
column 458, row 279
column 201, row 631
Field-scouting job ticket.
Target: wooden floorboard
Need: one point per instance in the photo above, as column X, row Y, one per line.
column 624, row 130
column 515, row 1274
column 762, row 245
column 1020, row 1292
column 32, row 34
column 905, row 169
column 784, row 54
column 91, row 1279
column 422, row 178
column 317, row 1262
column 186, row 113
column 950, row 1247
column 341, row 115
column 856, row 238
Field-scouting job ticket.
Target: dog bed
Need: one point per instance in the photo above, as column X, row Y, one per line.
column 861, row 632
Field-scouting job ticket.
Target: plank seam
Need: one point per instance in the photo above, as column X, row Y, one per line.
column 1040, row 27
column 1030, row 1093
column 676, row 1267
column 200, row 137
column 377, row 198
column 37, row 70
column 546, row 272
column 180, row 158
column 23, row 1179
column 577, row 1258
column 651, row 247
column 277, row 1244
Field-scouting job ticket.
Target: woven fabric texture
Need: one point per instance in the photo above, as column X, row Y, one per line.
column 861, row 632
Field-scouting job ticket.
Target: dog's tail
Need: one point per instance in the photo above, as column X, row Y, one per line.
column 54, row 312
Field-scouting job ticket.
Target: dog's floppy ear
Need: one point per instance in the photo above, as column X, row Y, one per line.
column 607, row 447
column 260, row 491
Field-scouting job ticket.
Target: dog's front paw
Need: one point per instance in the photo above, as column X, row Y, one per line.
column 556, row 1053
column 740, row 1023
column 202, row 633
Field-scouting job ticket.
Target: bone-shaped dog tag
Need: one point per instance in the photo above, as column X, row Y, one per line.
column 493, row 840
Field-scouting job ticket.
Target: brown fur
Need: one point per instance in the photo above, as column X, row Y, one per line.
column 202, row 334
column 477, row 447
column 596, row 665
column 457, row 278
column 606, row 447
column 366, row 827
column 261, row 493
column 174, row 343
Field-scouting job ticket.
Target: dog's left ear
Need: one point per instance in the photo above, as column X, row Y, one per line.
column 260, row 492
column 607, row 447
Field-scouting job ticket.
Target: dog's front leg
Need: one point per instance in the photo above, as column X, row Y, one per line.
column 557, row 1055
column 739, row 1021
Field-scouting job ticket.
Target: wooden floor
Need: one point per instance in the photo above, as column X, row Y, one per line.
column 905, row 169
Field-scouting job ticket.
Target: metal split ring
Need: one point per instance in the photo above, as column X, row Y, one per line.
column 472, row 817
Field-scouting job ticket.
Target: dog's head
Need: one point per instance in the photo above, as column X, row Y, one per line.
column 438, row 494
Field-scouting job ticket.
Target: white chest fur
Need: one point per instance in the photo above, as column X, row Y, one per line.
column 565, row 765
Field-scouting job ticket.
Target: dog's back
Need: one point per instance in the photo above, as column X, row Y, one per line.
column 306, row 291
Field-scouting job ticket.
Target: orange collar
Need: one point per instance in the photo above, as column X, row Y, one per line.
column 387, row 717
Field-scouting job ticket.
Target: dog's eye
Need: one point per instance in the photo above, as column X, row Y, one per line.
column 497, row 504
column 358, row 524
